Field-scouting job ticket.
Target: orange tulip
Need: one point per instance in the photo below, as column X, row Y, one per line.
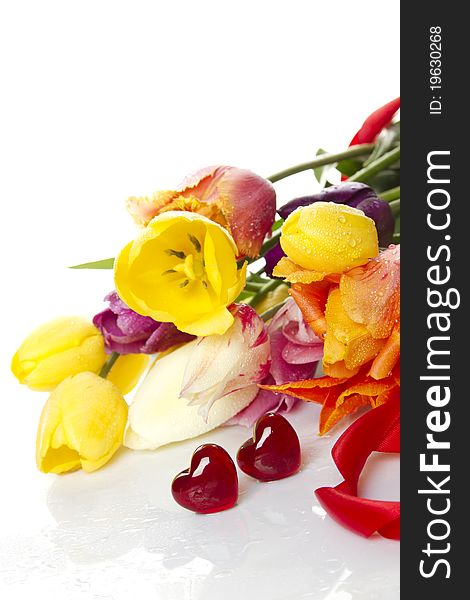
column 358, row 316
column 342, row 396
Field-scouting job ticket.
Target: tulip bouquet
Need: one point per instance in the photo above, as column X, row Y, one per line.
column 236, row 306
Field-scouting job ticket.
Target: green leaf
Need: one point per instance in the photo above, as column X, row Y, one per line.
column 387, row 139
column 384, row 180
column 244, row 295
column 348, row 167
column 106, row 263
column 321, row 172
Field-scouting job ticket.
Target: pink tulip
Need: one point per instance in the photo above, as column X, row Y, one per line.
column 238, row 199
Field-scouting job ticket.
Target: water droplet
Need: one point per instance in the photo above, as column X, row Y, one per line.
column 352, row 242
column 342, row 219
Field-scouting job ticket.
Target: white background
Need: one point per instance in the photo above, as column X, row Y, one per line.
column 100, row 100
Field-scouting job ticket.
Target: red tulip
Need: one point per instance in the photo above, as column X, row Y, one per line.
column 375, row 122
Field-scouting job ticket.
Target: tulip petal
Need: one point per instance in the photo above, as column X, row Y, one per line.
column 216, row 323
column 295, row 350
column 311, row 299
column 288, row 269
column 127, row 371
column 332, row 413
column 345, row 339
column 388, row 357
column 349, row 192
column 222, row 364
column 246, row 201
column 57, row 349
column 265, row 401
column 375, row 122
column 82, row 424
column 371, row 293
column 272, row 258
column 354, row 194
column 329, row 238
column 181, row 269
column 340, row 396
column 237, row 199
column 159, row 416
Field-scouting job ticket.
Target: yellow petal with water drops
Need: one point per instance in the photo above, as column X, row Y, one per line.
column 288, row 269
column 329, row 238
column 338, row 322
column 333, row 349
column 359, row 345
column 82, row 424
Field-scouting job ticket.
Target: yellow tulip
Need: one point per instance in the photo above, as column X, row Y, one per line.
column 181, row 269
column 325, row 238
column 81, row 426
column 57, row 349
column 127, row 371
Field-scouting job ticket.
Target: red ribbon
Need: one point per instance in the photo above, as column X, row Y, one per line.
column 377, row 430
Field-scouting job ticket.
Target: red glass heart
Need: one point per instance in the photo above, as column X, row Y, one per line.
column 211, row 482
column 273, row 452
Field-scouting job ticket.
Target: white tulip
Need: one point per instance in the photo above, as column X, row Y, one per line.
column 159, row 416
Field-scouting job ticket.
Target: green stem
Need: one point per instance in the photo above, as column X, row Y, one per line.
column 395, row 206
column 256, row 277
column 391, row 194
column 253, row 286
column 268, row 314
column 264, row 291
column 396, row 238
column 273, row 240
column 108, row 365
column 322, row 160
column 385, row 160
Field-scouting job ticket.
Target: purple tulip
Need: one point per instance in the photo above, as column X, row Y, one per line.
column 381, row 213
column 272, row 257
column 127, row 332
column 350, row 193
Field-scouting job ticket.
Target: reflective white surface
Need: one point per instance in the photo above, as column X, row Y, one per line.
column 117, row 533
